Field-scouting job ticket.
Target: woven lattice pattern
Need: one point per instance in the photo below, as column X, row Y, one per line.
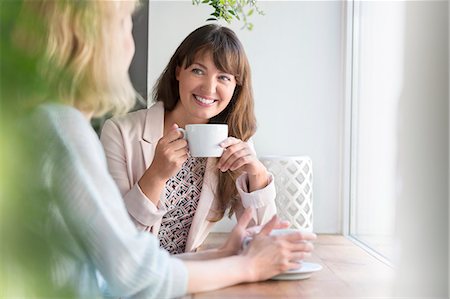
column 293, row 181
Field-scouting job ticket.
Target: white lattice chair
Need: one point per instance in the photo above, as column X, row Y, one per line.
column 294, row 184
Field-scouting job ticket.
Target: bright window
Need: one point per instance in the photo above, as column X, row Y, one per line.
column 376, row 84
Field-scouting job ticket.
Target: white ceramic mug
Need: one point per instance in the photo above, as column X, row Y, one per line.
column 204, row 139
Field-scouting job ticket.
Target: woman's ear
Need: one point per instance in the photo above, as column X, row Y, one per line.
column 177, row 73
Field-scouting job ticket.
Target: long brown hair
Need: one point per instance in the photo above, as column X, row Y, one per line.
column 228, row 56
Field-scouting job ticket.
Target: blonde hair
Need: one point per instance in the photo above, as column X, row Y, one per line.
column 80, row 54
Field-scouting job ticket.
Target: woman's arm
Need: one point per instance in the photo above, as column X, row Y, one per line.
column 233, row 244
column 92, row 208
column 255, row 185
column 218, row 273
column 265, row 257
column 170, row 154
column 145, row 212
column 209, row 254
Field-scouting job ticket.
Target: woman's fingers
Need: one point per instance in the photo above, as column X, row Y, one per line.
column 283, row 224
column 238, row 154
column 299, row 236
column 300, row 247
column 239, row 162
column 299, row 256
column 234, row 241
column 231, row 146
column 172, row 135
column 293, row 265
column 236, row 160
column 273, row 255
column 229, row 141
column 269, row 226
column 178, row 144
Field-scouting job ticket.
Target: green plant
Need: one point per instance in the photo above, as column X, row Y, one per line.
column 229, row 9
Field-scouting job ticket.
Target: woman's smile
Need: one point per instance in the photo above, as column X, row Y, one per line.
column 204, row 101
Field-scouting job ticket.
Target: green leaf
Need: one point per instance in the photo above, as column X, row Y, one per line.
column 228, row 10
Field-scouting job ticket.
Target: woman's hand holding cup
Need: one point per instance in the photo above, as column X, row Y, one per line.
column 240, row 232
column 238, row 154
column 271, row 254
column 170, row 154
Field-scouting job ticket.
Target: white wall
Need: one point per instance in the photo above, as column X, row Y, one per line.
column 296, row 55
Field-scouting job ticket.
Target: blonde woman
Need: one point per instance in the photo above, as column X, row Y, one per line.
column 88, row 48
column 177, row 197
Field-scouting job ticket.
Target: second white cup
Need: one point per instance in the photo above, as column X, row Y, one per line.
column 204, row 139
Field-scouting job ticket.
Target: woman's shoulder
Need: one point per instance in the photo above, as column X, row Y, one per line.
column 59, row 117
column 55, row 111
column 62, row 128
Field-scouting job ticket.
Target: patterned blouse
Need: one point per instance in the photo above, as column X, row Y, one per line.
column 182, row 193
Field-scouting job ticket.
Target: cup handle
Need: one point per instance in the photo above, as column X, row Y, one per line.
column 183, row 131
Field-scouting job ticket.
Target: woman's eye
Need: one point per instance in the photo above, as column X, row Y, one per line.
column 197, row 71
column 225, row 78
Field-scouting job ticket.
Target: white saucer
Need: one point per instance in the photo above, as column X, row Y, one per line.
column 304, row 272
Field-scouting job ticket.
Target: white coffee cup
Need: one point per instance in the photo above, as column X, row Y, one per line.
column 204, row 139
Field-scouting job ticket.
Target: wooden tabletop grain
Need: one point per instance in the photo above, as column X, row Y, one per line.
column 348, row 272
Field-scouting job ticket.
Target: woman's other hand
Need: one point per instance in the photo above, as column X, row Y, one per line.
column 233, row 245
column 271, row 255
column 265, row 257
column 238, row 154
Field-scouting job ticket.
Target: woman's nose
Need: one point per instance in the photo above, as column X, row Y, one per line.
column 209, row 85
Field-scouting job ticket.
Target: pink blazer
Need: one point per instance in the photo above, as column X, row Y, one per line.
column 130, row 142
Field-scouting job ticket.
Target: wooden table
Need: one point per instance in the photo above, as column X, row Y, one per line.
column 348, row 272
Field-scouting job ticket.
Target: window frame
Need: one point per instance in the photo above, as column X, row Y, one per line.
column 349, row 169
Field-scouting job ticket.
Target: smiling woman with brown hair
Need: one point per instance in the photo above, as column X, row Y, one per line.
column 167, row 192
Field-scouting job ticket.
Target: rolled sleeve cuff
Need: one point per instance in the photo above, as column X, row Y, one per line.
column 141, row 208
column 258, row 198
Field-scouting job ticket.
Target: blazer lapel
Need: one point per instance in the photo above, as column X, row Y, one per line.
column 148, row 152
column 153, row 130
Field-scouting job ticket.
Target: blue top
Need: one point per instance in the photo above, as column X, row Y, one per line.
column 104, row 253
